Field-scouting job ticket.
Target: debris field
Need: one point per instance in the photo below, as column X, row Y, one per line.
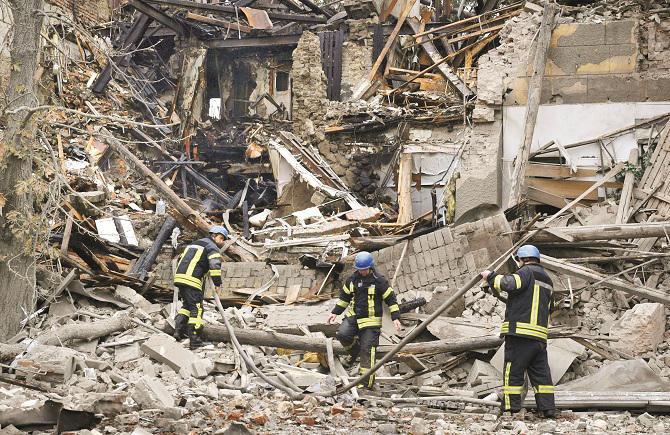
column 435, row 137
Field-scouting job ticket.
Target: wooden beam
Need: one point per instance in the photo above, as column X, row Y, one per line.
column 405, row 189
column 607, row 232
column 270, row 41
column 364, row 87
column 568, row 188
column 158, row 15
column 532, row 107
column 66, row 234
column 215, row 8
column 477, row 18
column 548, row 170
column 627, row 191
column 610, row 175
column 218, row 22
column 437, row 58
column 590, row 275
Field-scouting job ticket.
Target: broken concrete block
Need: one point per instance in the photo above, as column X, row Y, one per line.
column 640, row 329
column 483, row 113
column 150, row 393
column 127, row 353
column 624, row 375
column 482, row 369
column 363, row 214
column 133, row 298
column 61, row 309
column 167, row 350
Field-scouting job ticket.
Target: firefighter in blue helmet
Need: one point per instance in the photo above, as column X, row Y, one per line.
column 198, row 259
column 529, row 302
column 362, row 296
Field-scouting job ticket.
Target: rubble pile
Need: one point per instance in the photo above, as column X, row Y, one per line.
column 271, row 120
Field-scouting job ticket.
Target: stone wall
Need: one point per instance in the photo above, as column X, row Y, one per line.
column 447, row 257
column 309, row 88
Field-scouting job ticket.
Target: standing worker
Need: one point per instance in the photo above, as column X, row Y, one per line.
column 363, row 293
column 198, row 258
column 526, row 325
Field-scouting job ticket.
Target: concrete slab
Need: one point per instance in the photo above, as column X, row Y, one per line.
column 611, row 88
column 482, row 369
column 640, row 329
column 151, row 393
column 167, row 350
column 127, row 353
column 133, row 298
column 287, row 318
column 577, row 35
column 658, row 89
column 621, row 32
column 568, row 90
column 620, row 376
column 582, row 59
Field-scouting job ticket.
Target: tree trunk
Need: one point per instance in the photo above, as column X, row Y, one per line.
column 17, row 265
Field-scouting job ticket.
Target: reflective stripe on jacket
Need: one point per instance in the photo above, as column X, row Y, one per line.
column 363, row 296
column 529, row 299
column 199, row 258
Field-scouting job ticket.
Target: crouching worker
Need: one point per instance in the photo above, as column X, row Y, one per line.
column 362, row 296
column 198, row 259
column 529, row 300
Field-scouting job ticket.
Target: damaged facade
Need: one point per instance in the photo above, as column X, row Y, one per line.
column 435, row 138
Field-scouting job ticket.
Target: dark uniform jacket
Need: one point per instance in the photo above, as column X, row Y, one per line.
column 198, row 258
column 363, row 295
column 529, row 301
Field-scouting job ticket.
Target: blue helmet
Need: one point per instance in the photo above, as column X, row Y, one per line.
column 219, row 229
column 363, row 260
column 528, row 251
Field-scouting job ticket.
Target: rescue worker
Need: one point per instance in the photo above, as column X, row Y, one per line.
column 529, row 300
column 362, row 296
column 198, row 259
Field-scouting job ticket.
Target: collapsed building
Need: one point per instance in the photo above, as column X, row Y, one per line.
column 434, row 137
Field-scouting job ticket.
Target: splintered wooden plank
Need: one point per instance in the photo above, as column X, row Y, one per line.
column 658, row 171
column 539, row 195
column 546, row 170
column 569, row 188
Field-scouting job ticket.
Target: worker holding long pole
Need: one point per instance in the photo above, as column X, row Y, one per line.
column 526, row 326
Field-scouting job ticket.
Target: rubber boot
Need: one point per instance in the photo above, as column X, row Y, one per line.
column 180, row 330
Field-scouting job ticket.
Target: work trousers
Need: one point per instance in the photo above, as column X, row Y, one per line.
column 526, row 355
column 191, row 306
column 360, row 342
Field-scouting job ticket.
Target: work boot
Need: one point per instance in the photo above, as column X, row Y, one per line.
column 180, row 330
column 549, row 413
column 196, row 339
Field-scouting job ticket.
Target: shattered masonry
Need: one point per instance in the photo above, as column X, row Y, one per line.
column 314, row 131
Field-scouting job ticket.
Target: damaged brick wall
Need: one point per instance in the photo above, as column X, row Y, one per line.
column 90, row 12
column 237, row 276
column 312, row 111
column 447, row 257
